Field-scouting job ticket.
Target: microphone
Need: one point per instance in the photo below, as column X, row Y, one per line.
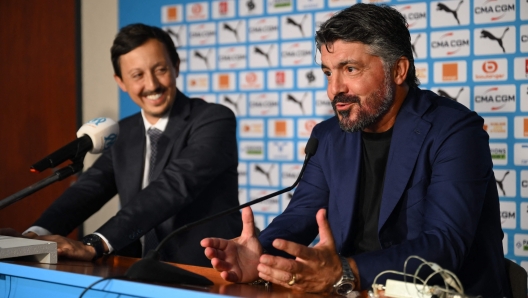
column 151, row 269
column 94, row 136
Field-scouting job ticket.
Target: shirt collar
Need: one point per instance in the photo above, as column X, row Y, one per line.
column 161, row 124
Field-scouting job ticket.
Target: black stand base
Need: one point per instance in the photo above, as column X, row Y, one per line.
column 151, row 269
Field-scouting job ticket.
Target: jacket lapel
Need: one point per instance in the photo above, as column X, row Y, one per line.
column 408, row 136
column 174, row 130
column 347, row 168
column 132, row 158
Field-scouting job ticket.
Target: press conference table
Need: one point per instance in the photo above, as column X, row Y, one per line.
column 68, row 278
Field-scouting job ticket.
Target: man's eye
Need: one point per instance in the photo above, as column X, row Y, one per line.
column 350, row 69
column 327, row 73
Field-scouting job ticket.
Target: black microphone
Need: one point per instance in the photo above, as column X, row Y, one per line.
column 94, row 136
column 151, row 269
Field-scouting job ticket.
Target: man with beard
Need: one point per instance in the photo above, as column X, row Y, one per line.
column 399, row 172
column 173, row 163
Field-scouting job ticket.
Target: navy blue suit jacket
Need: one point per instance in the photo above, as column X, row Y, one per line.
column 195, row 176
column 439, row 198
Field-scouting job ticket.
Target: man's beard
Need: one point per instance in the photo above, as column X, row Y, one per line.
column 375, row 106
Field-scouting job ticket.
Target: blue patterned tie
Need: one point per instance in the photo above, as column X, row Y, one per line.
column 151, row 240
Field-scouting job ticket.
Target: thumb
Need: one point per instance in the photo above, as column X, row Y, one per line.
column 325, row 233
column 248, row 223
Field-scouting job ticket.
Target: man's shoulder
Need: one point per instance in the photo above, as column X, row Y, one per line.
column 200, row 106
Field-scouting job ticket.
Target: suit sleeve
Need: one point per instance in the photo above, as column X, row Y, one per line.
column 297, row 223
column 209, row 150
column 87, row 195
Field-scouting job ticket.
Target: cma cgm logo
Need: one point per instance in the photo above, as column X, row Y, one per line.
column 499, row 100
column 446, row 42
column 414, row 15
column 505, row 215
column 450, row 43
column 500, row 9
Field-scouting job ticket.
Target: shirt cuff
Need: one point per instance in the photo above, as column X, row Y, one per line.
column 110, row 248
column 40, row 231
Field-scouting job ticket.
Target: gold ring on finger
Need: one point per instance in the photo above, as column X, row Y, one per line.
column 292, row 280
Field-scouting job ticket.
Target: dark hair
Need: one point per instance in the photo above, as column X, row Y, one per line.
column 381, row 27
column 133, row 36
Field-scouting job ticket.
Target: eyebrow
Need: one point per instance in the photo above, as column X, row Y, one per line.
column 342, row 63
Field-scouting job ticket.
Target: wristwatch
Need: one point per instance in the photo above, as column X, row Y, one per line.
column 96, row 242
column 347, row 282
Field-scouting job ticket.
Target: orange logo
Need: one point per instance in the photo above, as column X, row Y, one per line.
column 223, row 81
column 525, row 130
column 450, row 72
column 280, row 128
column 172, row 13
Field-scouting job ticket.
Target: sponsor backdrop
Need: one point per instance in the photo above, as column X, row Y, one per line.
column 258, row 58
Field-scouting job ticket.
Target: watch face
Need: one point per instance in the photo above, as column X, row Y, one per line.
column 344, row 288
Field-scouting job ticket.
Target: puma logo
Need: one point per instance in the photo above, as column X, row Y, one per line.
column 234, row 30
column 176, row 35
column 295, row 100
column 445, row 94
column 203, row 57
column 291, row 21
column 412, row 46
column 265, row 173
column 500, row 183
column 265, row 54
column 441, row 6
column 487, row 34
column 234, row 103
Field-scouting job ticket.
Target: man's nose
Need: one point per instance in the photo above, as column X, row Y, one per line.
column 151, row 82
column 336, row 85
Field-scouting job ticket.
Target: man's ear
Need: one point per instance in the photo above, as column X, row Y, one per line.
column 401, row 68
column 120, row 83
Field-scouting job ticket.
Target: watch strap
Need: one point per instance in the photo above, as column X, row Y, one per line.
column 347, row 271
column 96, row 242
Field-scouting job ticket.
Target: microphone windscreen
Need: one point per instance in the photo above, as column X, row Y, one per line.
column 102, row 131
column 311, row 146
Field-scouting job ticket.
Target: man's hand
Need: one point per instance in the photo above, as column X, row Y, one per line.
column 12, row 233
column 236, row 259
column 315, row 269
column 69, row 248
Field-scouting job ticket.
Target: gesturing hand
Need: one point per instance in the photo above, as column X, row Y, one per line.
column 236, row 259
column 315, row 269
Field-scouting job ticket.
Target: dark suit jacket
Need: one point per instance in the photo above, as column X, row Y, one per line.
column 439, row 199
column 195, row 176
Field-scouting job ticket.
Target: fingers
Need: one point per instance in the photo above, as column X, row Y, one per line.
column 325, row 233
column 217, row 243
column 292, row 248
column 248, row 223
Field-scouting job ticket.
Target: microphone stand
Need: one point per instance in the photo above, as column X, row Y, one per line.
column 59, row 175
column 151, row 269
